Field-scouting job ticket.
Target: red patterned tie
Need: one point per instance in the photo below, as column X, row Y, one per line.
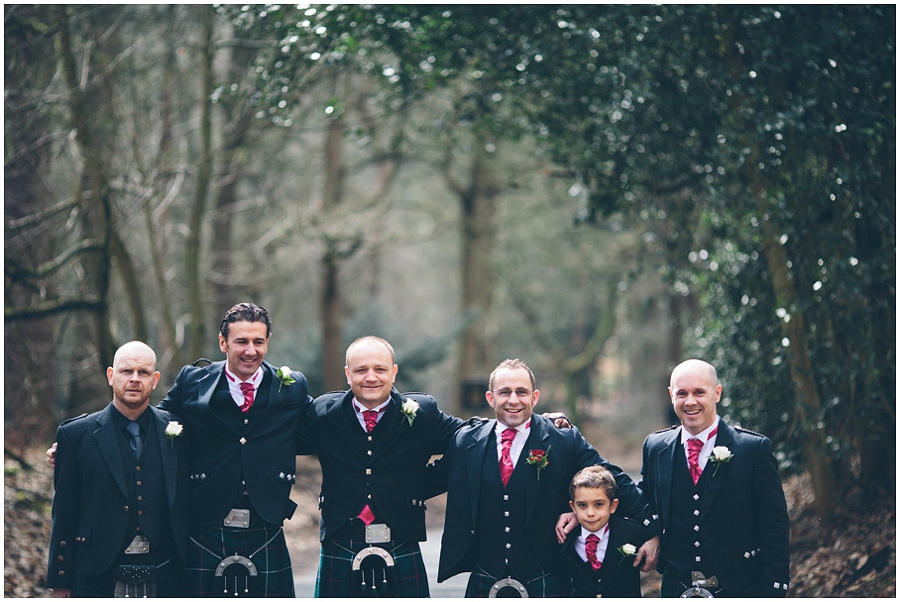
column 590, row 549
column 694, row 447
column 506, row 465
column 371, row 418
column 247, row 390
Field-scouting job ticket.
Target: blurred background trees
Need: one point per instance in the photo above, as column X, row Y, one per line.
column 602, row 191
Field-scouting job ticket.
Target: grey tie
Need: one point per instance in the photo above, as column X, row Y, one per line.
column 134, row 429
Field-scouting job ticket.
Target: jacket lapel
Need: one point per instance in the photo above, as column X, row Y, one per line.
column 168, row 454
column 714, row 477
column 475, row 458
column 107, row 441
column 538, row 438
column 205, row 388
column 274, row 396
column 394, row 421
column 668, row 455
column 337, row 419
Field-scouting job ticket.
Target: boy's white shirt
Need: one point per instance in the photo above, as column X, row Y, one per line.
column 603, row 534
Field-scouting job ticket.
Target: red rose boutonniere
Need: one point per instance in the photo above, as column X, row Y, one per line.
column 538, row 459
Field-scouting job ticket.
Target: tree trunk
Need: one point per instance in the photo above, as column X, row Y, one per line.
column 332, row 257
column 197, row 323
column 477, row 199
column 232, row 160
column 809, row 402
column 96, row 211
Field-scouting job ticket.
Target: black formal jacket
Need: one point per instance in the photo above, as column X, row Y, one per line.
column 617, row 577
column 393, row 474
column 743, row 519
column 264, row 455
column 459, row 471
column 90, row 507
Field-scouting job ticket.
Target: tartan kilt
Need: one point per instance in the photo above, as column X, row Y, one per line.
column 333, row 579
column 538, row 585
column 264, row 546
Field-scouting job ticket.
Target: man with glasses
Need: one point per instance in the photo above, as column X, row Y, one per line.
column 507, row 482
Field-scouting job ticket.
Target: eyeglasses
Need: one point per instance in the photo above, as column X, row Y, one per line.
column 504, row 394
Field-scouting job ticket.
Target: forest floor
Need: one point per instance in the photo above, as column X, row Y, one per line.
column 852, row 556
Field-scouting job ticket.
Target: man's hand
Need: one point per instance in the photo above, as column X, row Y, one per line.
column 61, row 592
column 564, row 526
column 648, row 554
column 559, row 419
column 51, row 460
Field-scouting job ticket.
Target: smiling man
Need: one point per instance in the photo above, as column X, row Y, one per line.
column 507, row 483
column 245, row 415
column 718, row 495
column 373, row 445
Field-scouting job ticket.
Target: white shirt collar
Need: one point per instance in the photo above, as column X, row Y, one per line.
column 703, row 435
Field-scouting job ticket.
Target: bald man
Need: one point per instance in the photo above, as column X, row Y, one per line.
column 120, row 508
column 719, row 497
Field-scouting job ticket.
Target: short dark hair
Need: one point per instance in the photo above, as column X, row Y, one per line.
column 595, row 477
column 245, row 312
column 511, row 364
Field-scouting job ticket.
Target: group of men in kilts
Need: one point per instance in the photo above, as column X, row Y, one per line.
column 238, row 425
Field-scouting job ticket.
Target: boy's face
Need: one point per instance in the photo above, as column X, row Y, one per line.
column 592, row 507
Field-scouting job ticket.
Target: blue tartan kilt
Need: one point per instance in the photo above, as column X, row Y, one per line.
column 264, row 546
column 334, row 577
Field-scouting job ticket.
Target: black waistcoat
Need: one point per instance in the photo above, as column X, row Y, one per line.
column 367, row 441
column 224, row 406
column 684, row 547
column 149, row 507
column 501, row 539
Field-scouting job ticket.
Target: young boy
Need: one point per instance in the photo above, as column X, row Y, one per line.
column 600, row 555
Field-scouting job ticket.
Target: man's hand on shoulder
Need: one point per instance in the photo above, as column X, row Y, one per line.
column 564, row 526
column 559, row 419
column 51, row 460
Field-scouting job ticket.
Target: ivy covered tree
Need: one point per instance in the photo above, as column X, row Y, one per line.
column 756, row 144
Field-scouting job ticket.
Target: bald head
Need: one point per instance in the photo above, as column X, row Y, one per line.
column 695, row 367
column 133, row 377
column 135, row 349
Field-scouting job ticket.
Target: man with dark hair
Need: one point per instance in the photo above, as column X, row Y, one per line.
column 244, row 414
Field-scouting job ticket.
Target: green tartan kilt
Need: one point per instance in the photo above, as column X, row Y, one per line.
column 264, row 546
column 335, row 577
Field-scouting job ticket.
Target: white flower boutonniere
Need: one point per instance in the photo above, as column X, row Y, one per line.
column 720, row 455
column 173, row 429
column 284, row 377
column 409, row 409
column 627, row 550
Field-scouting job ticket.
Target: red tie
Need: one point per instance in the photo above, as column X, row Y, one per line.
column 367, row 516
column 247, row 390
column 694, row 447
column 590, row 550
column 506, row 465
column 371, row 418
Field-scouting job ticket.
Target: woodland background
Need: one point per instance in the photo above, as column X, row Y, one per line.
column 601, row 191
